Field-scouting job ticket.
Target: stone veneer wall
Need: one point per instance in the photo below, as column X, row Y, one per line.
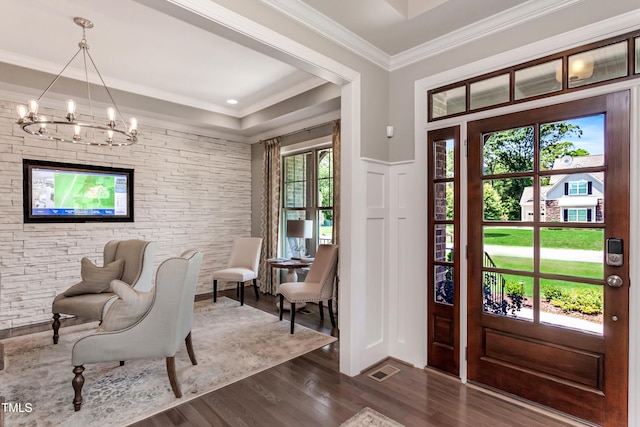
column 191, row 191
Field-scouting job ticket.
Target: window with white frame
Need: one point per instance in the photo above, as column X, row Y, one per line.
column 578, row 188
column 577, row 215
column 307, row 186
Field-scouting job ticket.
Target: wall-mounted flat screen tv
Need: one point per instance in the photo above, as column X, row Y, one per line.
column 65, row 192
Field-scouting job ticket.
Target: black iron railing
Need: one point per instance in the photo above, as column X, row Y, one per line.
column 500, row 298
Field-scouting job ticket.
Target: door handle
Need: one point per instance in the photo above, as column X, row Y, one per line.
column 614, row 281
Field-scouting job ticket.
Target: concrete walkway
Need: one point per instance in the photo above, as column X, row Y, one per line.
column 546, row 253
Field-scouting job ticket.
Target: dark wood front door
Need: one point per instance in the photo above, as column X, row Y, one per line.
column 548, row 188
column 443, row 350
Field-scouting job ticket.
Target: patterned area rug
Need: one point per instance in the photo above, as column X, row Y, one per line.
column 370, row 418
column 231, row 342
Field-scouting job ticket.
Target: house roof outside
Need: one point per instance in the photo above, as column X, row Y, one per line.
column 566, row 162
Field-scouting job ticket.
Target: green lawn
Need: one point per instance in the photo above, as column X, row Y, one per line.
column 570, row 268
column 549, row 238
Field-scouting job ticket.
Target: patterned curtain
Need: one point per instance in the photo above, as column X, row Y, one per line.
column 270, row 214
column 335, row 138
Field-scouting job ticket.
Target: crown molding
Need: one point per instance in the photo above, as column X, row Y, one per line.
column 311, row 18
column 517, row 15
column 328, row 28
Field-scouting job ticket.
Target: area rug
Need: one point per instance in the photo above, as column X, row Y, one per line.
column 231, row 342
column 370, row 418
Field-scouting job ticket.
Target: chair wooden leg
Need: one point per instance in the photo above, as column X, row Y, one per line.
column 77, row 383
column 215, row 290
column 173, row 379
column 255, row 288
column 56, row 327
column 321, row 310
column 292, row 315
column 192, row 355
column 238, row 290
column 281, row 306
column 241, row 284
column 333, row 320
column 122, row 363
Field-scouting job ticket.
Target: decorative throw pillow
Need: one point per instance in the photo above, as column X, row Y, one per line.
column 130, row 306
column 95, row 279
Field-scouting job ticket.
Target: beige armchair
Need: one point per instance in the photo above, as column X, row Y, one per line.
column 317, row 286
column 142, row 325
column 130, row 261
column 242, row 266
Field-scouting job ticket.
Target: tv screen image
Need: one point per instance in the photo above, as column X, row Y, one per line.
column 63, row 192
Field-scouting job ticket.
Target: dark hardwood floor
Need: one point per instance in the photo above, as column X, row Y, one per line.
column 309, row 391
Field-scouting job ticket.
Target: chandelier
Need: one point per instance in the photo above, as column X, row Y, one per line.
column 71, row 128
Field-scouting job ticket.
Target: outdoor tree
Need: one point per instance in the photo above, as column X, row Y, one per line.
column 513, row 151
column 493, row 209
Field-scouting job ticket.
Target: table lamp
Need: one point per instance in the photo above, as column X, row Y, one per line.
column 300, row 229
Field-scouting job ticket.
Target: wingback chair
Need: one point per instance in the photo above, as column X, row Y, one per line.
column 317, row 286
column 242, row 266
column 141, row 325
column 91, row 298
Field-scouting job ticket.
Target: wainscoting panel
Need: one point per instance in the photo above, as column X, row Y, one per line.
column 376, row 258
column 375, row 300
column 407, row 265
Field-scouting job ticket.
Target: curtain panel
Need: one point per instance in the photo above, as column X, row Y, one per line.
column 270, row 213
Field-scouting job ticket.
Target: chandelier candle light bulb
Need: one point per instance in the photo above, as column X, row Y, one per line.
column 68, row 129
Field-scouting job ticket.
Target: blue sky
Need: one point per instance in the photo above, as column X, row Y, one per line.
column 592, row 134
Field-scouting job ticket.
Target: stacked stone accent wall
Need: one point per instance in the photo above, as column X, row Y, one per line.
column 191, row 191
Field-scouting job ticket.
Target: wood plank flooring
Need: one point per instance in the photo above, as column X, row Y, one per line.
column 309, row 391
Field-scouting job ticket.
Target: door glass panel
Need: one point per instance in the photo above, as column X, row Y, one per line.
column 538, row 80
column 509, row 199
column 508, row 151
column 572, row 252
column 444, row 201
column 444, row 242
column 492, row 91
column 598, row 65
column 508, row 247
column 444, row 159
column 505, row 295
column 572, row 143
column 444, row 285
column 577, row 197
column 572, row 305
column 448, row 102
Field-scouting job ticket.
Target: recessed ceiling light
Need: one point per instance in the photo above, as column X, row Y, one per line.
column 232, row 101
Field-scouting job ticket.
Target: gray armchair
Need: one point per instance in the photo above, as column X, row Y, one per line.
column 135, row 260
column 165, row 320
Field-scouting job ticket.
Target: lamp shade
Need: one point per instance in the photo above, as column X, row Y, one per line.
column 302, row 228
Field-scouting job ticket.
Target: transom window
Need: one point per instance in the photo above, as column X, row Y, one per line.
column 307, row 185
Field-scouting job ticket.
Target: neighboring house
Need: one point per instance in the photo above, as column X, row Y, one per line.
column 576, row 197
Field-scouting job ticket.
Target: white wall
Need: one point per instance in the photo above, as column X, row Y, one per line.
column 191, row 191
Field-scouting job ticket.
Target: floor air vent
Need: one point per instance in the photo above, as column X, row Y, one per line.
column 383, row 373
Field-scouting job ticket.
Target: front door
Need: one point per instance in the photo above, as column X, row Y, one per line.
column 548, row 193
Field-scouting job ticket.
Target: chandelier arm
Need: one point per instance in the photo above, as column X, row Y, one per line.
column 107, row 89
column 58, row 76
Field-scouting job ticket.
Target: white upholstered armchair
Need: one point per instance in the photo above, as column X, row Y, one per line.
column 317, row 286
column 130, row 261
column 145, row 324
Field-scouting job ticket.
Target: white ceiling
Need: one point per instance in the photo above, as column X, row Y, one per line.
column 142, row 50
